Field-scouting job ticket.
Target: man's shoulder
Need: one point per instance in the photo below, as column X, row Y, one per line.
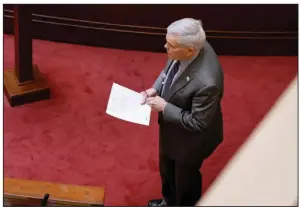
column 210, row 72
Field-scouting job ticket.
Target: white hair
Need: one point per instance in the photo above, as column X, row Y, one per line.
column 189, row 31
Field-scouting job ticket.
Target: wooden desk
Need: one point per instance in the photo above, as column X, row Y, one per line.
column 29, row 192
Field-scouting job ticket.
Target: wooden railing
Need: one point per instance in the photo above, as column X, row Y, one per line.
column 39, row 193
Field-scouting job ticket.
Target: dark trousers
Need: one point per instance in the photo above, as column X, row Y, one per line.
column 181, row 182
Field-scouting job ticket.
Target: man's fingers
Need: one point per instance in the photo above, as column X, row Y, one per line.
column 149, row 99
column 143, row 101
column 143, row 98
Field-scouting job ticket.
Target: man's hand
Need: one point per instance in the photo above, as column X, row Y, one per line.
column 151, row 92
column 156, row 103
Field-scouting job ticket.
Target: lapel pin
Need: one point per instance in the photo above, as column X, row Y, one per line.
column 187, row 78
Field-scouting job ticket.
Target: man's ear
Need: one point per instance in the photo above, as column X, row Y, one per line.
column 191, row 51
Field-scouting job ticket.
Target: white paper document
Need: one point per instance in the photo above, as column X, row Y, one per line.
column 125, row 104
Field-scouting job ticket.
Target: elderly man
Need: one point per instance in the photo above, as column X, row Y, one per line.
column 187, row 94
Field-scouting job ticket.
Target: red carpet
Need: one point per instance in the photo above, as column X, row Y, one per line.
column 70, row 139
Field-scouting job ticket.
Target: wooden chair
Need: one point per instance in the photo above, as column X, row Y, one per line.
column 38, row 193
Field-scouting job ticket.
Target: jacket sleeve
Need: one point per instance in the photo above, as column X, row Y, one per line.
column 204, row 106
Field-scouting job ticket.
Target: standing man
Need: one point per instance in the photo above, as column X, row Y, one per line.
column 187, row 94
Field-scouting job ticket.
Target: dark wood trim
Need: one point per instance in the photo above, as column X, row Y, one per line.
column 50, row 25
column 148, row 30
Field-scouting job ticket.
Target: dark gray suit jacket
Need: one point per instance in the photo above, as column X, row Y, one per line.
column 191, row 126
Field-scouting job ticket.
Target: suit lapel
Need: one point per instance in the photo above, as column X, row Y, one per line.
column 186, row 76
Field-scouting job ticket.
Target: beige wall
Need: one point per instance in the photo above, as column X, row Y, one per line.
column 264, row 170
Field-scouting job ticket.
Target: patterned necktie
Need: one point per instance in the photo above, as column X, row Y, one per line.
column 170, row 77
